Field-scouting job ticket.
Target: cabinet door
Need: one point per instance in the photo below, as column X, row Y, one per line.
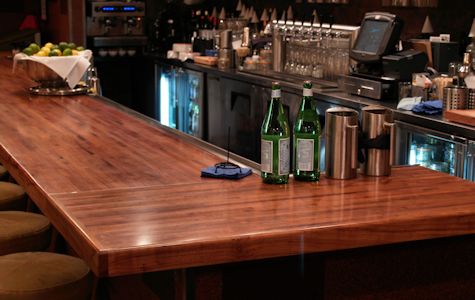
column 216, row 122
column 243, row 118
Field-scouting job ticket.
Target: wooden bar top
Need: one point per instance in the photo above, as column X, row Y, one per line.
column 127, row 195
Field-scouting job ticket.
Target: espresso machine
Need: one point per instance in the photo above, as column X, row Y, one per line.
column 116, row 27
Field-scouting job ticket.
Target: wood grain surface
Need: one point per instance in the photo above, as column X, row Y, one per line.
column 463, row 116
column 128, row 197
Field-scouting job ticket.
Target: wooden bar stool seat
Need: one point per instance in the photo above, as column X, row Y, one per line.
column 44, row 275
column 3, row 173
column 12, row 196
column 23, row 231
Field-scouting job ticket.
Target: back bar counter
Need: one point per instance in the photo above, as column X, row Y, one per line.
column 126, row 194
column 238, row 100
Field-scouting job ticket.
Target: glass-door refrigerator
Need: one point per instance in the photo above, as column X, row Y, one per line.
column 180, row 99
column 431, row 149
column 470, row 161
column 167, row 97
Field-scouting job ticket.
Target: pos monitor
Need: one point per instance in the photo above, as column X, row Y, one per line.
column 378, row 36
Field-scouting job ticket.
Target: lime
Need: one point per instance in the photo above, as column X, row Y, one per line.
column 54, row 47
column 67, row 52
column 28, row 51
column 80, row 48
column 48, row 45
column 63, row 45
column 55, row 52
column 34, row 47
column 71, row 46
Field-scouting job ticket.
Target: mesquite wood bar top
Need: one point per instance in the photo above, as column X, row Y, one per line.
column 127, row 196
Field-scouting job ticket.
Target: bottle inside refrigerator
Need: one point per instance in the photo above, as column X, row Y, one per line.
column 432, row 149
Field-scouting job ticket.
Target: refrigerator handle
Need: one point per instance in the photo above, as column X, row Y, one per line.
column 460, row 156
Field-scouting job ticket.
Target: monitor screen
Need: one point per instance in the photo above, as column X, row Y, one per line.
column 371, row 35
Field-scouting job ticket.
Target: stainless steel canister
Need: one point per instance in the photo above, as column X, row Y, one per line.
column 379, row 135
column 471, row 99
column 225, row 59
column 341, row 146
column 455, row 97
column 226, row 39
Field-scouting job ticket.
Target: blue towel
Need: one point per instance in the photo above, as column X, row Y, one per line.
column 428, row 108
column 227, row 172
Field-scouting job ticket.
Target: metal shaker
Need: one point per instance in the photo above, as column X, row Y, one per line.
column 378, row 140
column 341, row 146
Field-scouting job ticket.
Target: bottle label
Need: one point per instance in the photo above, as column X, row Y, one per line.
column 275, row 94
column 305, row 154
column 284, row 156
column 307, row 92
column 266, row 156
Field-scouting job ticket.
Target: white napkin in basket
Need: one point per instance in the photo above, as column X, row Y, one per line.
column 70, row 68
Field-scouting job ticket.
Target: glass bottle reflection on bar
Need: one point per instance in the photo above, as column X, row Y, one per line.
column 275, row 141
column 307, row 133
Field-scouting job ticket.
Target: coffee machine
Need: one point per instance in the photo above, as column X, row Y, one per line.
column 116, row 25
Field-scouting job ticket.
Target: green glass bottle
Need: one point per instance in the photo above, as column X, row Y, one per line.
column 275, row 141
column 307, row 133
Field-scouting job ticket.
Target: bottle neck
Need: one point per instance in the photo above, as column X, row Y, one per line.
column 276, row 94
column 276, row 106
column 307, row 98
column 307, row 92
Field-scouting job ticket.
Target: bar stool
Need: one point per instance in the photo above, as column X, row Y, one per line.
column 23, row 231
column 12, row 196
column 44, row 275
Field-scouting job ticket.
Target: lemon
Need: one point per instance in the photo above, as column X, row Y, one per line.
column 48, row 45
column 80, row 48
column 34, row 47
column 67, row 52
column 28, row 51
column 75, row 52
column 46, row 49
column 41, row 53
